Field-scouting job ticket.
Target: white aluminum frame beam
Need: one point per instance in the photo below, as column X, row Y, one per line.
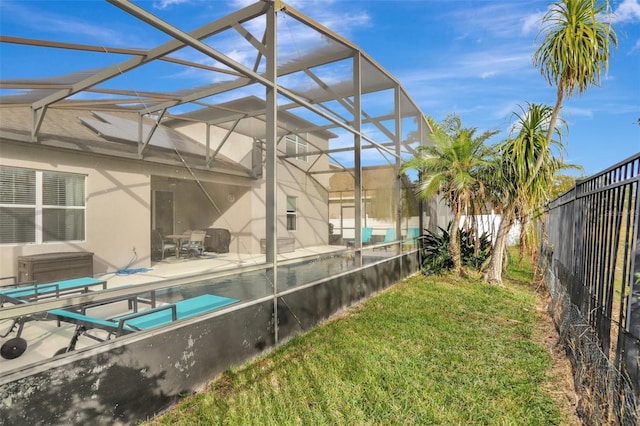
column 357, row 153
column 271, row 214
column 106, row 49
column 39, row 107
column 207, row 50
column 247, row 13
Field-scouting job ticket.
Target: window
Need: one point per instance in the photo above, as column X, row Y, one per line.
column 40, row 206
column 296, row 146
column 292, row 213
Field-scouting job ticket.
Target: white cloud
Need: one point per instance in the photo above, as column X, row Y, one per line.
column 490, row 64
column 531, row 23
column 338, row 19
column 568, row 111
column 478, row 64
column 165, row 4
column 60, row 24
column 487, row 74
column 239, row 4
column 628, row 11
column 505, row 20
column 341, row 20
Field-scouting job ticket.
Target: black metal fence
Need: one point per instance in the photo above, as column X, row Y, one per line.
column 591, row 261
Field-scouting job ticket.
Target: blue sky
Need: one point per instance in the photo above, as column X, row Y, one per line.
column 470, row 58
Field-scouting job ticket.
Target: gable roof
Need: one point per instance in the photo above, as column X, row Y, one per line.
column 113, row 134
column 250, row 113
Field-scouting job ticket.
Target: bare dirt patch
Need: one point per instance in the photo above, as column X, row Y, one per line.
column 560, row 387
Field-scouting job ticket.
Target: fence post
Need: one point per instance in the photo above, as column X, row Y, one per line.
column 631, row 345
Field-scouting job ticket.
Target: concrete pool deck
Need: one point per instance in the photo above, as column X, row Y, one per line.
column 46, row 337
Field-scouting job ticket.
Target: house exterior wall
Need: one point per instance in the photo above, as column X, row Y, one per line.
column 245, row 210
column 119, row 204
column 313, row 201
column 119, row 200
column 117, row 215
column 237, row 147
column 246, row 217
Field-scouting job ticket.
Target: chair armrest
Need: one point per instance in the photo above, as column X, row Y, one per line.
column 15, row 282
column 123, row 319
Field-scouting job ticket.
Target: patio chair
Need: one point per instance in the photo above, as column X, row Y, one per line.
column 367, row 232
column 142, row 320
column 38, row 291
column 390, row 236
column 159, row 244
column 411, row 240
column 195, row 243
column 413, row 234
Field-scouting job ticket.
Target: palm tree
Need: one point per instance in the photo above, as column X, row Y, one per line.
column 450, row 168
column 518, row 186
column 574, row 52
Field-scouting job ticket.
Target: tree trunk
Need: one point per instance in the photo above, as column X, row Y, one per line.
column 454, row 242
column 550, row 130
column 475, row 232
column 494, row 271
column 524, row 222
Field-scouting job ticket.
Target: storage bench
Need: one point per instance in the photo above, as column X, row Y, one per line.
column 47, row 267
column 284, row 245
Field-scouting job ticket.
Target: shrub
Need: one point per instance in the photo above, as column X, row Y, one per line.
column 435, row 251
column 436, row 255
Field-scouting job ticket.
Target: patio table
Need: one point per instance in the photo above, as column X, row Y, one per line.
column 177, row 239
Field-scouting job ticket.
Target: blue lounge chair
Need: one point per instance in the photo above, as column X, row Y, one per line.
column 365, row 237
column 115, row 327
column 390, row 236
column 411, row 239
column 367, row 232
column 53, row 289
column 166, row 314
column 413, row 233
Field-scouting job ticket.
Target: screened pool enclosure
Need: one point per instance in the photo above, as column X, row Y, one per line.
column 232, row 184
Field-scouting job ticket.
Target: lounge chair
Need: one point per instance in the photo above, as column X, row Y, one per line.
column 32, row 292
column 114, row 327
column 411, row 239
column 367, row 232
column 390, row 235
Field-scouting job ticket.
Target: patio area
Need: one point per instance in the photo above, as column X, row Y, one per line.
column 239, row 277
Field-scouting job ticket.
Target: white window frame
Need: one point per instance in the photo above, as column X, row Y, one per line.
column 40, row 207
column 300, row 144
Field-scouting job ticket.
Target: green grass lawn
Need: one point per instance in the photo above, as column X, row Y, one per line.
column 430, row 350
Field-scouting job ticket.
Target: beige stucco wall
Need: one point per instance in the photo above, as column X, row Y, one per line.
column 237, row 147
column 119, row 203
column 247, row 214
column 313, row 201
column 117, row 208
column 245, row 218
